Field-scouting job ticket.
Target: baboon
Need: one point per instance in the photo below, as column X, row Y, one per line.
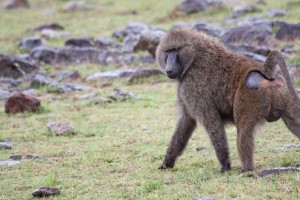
column 216, row 86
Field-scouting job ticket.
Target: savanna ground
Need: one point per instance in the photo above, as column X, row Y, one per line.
column 119, row 146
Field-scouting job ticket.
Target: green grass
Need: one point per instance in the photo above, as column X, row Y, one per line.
column 119, row 146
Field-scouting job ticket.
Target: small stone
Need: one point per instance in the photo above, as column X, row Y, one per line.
column 53, row 34
column 87, row 96
column 22, row 157
column 71, row 75
column 204, row 198
column 276, row 13
column 46, row 192
column 99, row 100
column 245, row 9
column 19, row 102
column 122, row 95
column 5, row 145
column 61, row 128
column 30, row 42
column 9, row 163
column 200, row 148
column 53, row 26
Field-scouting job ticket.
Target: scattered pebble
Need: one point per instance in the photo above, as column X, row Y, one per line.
column 46, row 192
column 61, row 128
column 5, row 145
column 9, row 163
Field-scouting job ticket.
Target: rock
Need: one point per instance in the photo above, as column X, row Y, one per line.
column 200, row 148
column 277, row 171
column 61, row 128
column 76, row 5
column 289, row 48
column 53, row 26
column 294, row 71
column 122, row 95
column 46, row 192
column 103, row 43
column 14, row 67
column 22, row 157
column 55, row 86
column 65, row 55
column 19, row 102
column 9, row 162
column 290, row 146
column 5, row 145
column 243, row 9
column 276, row 13
column 248, row 34
column 203, row 27
column 8, row 83
column 4, row 95
column 100, row 100
column 80, row 42
column 144, row 73
column 149, row 40
column 30, row 43
column 13, row 4
column 192, row 6
column 87, row 96
column 124, row 73
column 204, row 198
column 133, row 28
column 53, row 34
column 261, row 50
column 68, row 75
column 287, row 31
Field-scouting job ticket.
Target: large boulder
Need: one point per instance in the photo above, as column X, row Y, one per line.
column 15, row 67
column 19, row 102
column 248, row 34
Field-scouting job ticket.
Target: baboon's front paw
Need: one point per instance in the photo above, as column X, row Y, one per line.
column 166, row 166
column 226, row 166
column 247, row 169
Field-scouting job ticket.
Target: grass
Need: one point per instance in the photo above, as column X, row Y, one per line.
column 119, row 146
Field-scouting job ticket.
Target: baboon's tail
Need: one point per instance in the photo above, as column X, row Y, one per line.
column 276, row 58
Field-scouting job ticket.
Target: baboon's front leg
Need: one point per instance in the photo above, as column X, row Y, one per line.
column 185, row 127
column 215, row 128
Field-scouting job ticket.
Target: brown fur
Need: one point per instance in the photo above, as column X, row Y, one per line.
column 212, row 90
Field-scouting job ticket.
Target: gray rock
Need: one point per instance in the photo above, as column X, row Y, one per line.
column 61, row 128
column 276, row 171
column 52, row 26
column 22, row 157
column 200, row 148
column 203, row 27
column 261, row 50
column 192, row 6
column 124, row 73
column 15, row 67
column 289, row 48
column 67, row 75
column 53, row 34
column 287, row 147
column 276, row 13
column 122, row 95
column 80, row 42
column 30, row 43
column 76, row 5
column 3, row 96
column 5, row 145
column 287, row 31
column 204, row 198
column 9, row 162
column 133, row 28
column 248, row 34
column 46, row 192
column 87, row 96
column 243, row 9
column 55, row 86
column 9, row 83
column 100, row 100
column 14, row 4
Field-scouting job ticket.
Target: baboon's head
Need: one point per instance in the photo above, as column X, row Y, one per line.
column 176, row 52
